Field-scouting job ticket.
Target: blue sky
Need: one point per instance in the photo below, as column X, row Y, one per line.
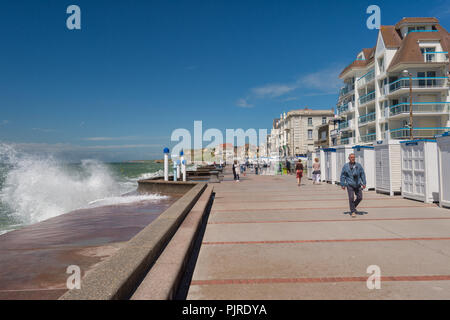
column 137, row 70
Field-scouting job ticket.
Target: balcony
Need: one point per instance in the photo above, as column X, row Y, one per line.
column 368, row 137
column 346, row 125
column 346, row 107
column 420, row 84
column 370, row 117
column 346, row 90
column 367, row 98
column 420, row 107
column 438, row 56
column 403, row 133
column 367, row 78
column 348, row 140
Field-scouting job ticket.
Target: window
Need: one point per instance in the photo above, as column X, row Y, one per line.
column 324, row 120
column 310, row 134
column 381, row 64
column 429, row 54
column 310, row 122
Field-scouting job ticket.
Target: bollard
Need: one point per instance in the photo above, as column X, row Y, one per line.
column 181, row 162
column 175, row 166
column 166, row 164
column 178, row 170
column 183, row 167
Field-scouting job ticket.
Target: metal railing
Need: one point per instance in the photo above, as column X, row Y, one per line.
column 403, row 133
column 345, row 124
column 368, row 137
column 346, row 90
column 422, row 31
column 420, row 107
column 343, row 108
column 348, row 140
column 368, row 77
column 367, row 118
column 418, row 83
column 367, row 98
column 438, row 56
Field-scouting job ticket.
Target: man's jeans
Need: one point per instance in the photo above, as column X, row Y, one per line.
column 351, row 197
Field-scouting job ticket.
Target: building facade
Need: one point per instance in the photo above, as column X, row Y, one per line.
column 374, row 103
column 295, row 132
column 326, row 136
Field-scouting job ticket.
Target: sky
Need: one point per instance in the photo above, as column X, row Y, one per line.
column 137, row 70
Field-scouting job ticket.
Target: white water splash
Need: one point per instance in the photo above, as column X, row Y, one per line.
column 39, row 188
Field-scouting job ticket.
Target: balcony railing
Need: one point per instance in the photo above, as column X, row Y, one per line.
column 369, row 76
column 418, row 83
column 368, row 137
column 345, row 124
column 403, row 133
column 420, row 107
column 349, row 140
column 367, row 98
column 437, row 56
column 346, row 90
column 342, row 108
column 367, row 118
column 422, row 31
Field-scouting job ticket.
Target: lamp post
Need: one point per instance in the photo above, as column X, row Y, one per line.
column 407, row 73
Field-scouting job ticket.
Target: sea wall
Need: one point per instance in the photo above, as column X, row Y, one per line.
column 119, row 276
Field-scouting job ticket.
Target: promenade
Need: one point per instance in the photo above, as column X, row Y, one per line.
column 266, row 238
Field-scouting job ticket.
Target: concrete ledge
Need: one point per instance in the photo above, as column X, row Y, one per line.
column 118, row 276
column 163, row 279
column 160, row 186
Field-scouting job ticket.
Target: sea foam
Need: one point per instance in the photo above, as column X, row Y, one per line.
column 37, row 188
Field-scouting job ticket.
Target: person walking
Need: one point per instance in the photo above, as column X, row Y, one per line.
column 236, row 170
column 316, row 171
column 299, row 170
column 288, row 166
column 354, row 179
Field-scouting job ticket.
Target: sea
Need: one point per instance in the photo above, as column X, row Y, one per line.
column 34, row 188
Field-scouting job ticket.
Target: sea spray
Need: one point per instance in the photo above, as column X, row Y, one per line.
column 36, row 188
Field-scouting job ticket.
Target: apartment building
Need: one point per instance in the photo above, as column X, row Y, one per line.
column 295, row 132
column 374, row 103
column 326, row 136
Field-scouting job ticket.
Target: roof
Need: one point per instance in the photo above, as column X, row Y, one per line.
column 416, row 20
column 409, row 51
column 369, row 54
column 408, row 47
column 391, row 36
column 311, row 112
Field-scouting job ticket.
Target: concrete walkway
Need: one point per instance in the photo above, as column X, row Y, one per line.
column 266, row 238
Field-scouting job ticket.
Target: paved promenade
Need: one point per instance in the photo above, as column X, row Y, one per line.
column 266, row 238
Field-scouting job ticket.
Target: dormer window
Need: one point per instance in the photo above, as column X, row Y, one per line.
column 429, row 54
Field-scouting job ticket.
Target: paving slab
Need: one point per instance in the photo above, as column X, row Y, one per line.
column 267, row 238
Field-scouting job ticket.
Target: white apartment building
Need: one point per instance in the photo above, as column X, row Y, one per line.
column 295, row 132
column 374, row 104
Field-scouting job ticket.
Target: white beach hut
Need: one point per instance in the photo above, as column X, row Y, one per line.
column 330, row 165
column 420, row 178
column 342, row 153
column 311, row 157
column 443, row 146
column 321, row 155
column 388, row 166
column 365, row 155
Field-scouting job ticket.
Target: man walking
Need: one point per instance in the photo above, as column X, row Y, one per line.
column 354, row 179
